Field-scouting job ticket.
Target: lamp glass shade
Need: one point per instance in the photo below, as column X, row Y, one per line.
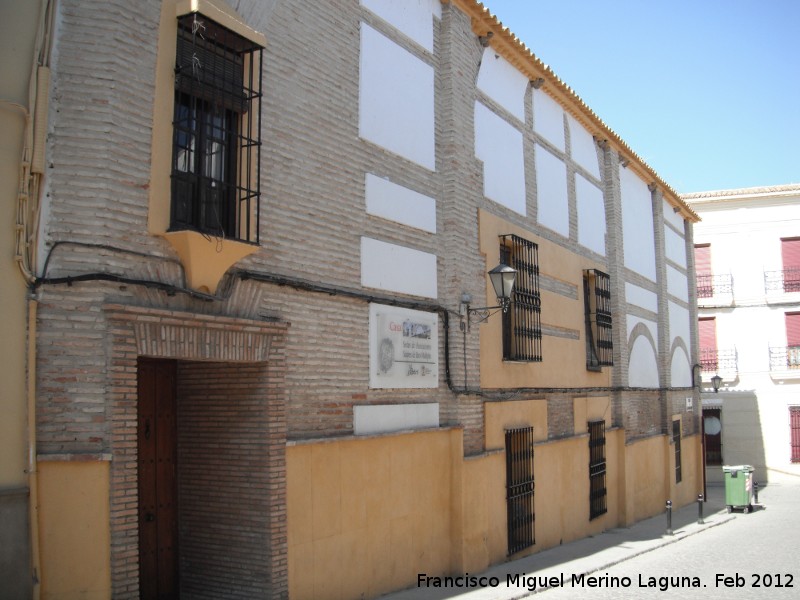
column 503, row 277
column 716, row 381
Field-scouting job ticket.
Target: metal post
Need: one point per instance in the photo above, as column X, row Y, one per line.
column 755, row 491
column 700, row 509
column 669, row 517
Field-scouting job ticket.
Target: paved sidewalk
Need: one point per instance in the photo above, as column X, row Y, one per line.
column 522, row 577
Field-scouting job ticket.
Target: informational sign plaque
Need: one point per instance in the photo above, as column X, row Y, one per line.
column 403, row 348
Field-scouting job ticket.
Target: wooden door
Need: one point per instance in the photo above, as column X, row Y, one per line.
column 794, row 424
column 158, row 510
column 712, row 430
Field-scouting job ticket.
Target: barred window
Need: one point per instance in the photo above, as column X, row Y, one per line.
column 216, row 148
column 676, row 440
column 522, row 329
column 597, row 302
column 597, row 469
column 520, row 487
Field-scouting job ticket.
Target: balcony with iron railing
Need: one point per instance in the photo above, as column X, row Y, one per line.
column 714, row 290
column 784, row 362
column 713, row 360
column 724, row 363
column 779, row 283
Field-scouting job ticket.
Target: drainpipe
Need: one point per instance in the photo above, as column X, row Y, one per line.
column 33, row 474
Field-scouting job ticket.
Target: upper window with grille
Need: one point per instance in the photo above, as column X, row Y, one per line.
column 522, row 329
column 216, row 131
column 597, row 303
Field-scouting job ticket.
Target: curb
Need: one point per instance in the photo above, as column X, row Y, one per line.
column 665, row 541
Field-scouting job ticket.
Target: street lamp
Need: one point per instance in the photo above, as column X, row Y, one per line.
column 716, row 381
column 502, row 278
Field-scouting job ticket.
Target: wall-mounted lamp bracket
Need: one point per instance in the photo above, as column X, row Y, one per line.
column 502, row 278
column 481, row 314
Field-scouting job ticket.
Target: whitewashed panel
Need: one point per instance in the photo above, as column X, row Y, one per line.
column 396, row 268
column 675, row 219
column 637, row 225
column 386, row 418
column 641, row 297
column 503, row 83
column 499, row 146
column 675, row 247
column 591, row 215
column 584, row 151
column 396, row 99
column 552, row 200
column 677, row 284
column 548, row 119
column 397, row 203
column 414, row 18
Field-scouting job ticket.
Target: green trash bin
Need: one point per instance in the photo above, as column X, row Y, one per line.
column 739, row 487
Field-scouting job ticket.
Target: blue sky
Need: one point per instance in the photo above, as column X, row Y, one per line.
column 707, row 92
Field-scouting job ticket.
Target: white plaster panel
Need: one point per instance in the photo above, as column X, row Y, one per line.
column 385, row 418
column 643, row 361
column 641, row 297
column 642, row 365
column 499, row 146
column 396, row 99
column 677, row 284
column 396, row 268
column 503, row 83
column 673, row 218
column 632, row 321
column 591, row 215
column 675, row 247
column 680, row 330
column 637, row 225
column 548, row 119
column 680, row 371
column 551, row 192
column 414, row 18
column 400, row 204
column 679, row 324
column 583, row 147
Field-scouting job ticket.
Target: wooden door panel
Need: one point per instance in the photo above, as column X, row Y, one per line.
column 158, row 512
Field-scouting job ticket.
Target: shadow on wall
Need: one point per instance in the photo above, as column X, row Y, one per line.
column 742, row 434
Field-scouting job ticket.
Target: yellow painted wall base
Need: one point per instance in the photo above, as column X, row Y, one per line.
column 74, row 530
column 367, row 515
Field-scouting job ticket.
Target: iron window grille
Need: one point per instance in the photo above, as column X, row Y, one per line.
column 520, row 489
column 216, row 148
column 597, row 303
column 676, row 441
column 522, row 329
column 597, row 469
